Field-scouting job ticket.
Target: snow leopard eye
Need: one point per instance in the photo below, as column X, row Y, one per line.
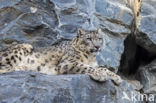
column 88, row 38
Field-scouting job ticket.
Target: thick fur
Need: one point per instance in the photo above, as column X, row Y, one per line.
column 71, row 57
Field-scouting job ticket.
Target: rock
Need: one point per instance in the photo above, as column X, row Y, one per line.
column 140, row 48
column 32, row 22
column 147, row 76
column 115, row 18
column 146, row 36
column 42, row 23
column 30, row 87
column 129, row 60
column 45, row 22
column 134, row 55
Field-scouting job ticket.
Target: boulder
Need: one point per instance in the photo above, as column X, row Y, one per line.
column 45, row 22
column 42, row 23
column 146, row 36
column 30, row 87
column 115, row 18
column 147, row 76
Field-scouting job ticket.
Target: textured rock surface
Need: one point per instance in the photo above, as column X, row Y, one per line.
column 147, row 26
column 43, row 22
column 115, row 20
column 23, row 21
column 27, row 87
column 147, row 76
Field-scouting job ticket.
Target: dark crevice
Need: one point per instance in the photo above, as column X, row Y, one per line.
column 133, row 57
column 128, row 57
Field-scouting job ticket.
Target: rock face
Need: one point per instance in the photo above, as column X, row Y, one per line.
column 23, row 21
column 147, row 76
column 27, row 87
column 45, row 22
column 115, row 20
column 140, row 48
column 42, row 23
column 146, row 37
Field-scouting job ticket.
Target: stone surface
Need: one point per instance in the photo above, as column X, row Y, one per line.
column 23, row 21
column 42, row 23
column 115, row 19
column 147, row 76
column 29, row 87
column 147, row 26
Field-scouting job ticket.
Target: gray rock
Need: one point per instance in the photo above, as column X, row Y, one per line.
column 147, row 26
column 115, row 20
column 29, row 87
column 147, row 76
column 42, row 23
column 32, row 22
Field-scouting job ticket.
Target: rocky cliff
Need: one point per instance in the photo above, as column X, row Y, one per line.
column 129, row 33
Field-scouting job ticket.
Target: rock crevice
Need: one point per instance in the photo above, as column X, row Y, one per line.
column 129, row 44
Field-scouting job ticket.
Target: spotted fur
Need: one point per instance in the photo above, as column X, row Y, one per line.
column 70, row 57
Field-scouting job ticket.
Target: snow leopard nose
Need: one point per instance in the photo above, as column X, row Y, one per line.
column 97, row 47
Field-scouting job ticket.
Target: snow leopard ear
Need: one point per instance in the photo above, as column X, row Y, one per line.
column 99, row 31
column 80, row 32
